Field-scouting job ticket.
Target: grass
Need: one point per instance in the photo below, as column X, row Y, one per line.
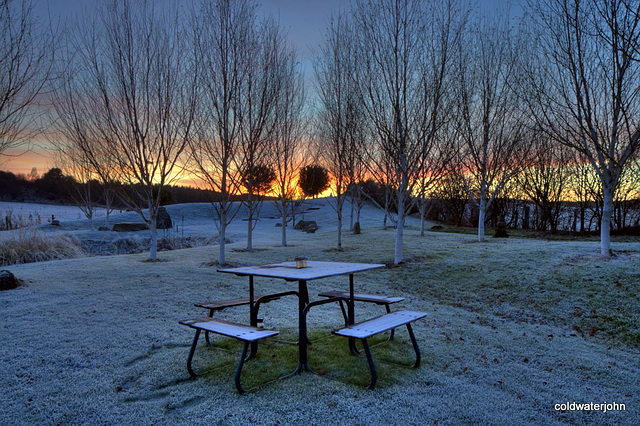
column 9, row 220
column 329, row 356
column 565, row 283
column 28, row 245
column 581, row 292
column 513, row 327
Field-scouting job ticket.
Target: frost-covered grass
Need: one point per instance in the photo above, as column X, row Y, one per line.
column 514, row 327
column 563, row 283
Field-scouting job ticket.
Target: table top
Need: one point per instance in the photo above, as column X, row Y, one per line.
column 314, row 270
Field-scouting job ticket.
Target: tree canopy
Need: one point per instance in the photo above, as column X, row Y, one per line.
column 313, row 180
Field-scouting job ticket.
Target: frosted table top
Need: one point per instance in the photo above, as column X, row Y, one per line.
column 314, row 270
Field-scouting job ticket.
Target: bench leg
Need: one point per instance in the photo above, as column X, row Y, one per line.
column 351, row 342
column 344, row 314
column 191, row 352
column 415, row 346
column 243, row 355
column 393, row 330
column 206, row 333
column 372, row 367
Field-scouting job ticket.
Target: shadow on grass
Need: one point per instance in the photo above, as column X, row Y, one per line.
column 329, row 357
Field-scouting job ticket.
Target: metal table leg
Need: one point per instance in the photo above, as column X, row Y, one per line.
column 253, row 317
column 351, row 316
column 302, row 327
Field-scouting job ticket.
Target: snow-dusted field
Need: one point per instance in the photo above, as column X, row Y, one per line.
column 45, row 211
column 514, row 327
column 197, row 221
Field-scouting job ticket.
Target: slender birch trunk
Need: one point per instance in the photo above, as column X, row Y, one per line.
column 153, row 230
column 397, row 258
column 482, row 210
column 223, row 235
column 249, row 222
column 605, row 224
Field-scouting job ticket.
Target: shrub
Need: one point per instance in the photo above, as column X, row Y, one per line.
column 31, row 245
column 313, row 180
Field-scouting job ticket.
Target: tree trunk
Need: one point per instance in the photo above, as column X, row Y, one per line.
column 351, row 215
column 339, row 226
column 481, row 215
column 153, row 230
column 249, row 223
column 284, row 230
column 386, row 209
column 423, row 207
column 605, row 227
column 107, row 201
column 293, row 215
column 223, row 231
column 399, row 229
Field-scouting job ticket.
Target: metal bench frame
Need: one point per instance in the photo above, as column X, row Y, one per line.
column 367, row 298
column 366, row 329
column 242, row 332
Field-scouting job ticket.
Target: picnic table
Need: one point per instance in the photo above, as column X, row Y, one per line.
column 313, row 271
column 292, row 272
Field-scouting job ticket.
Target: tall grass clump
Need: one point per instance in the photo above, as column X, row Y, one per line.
column 10, row 220
column 29, row 245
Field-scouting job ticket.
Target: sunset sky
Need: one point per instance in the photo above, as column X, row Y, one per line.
column 304, row 19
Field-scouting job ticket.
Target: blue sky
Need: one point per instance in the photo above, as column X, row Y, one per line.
column 305, row 20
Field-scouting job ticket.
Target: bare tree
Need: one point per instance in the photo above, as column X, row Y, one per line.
column 128, row 102
column 74, row 135
column 453, row 197
column 545, row 180
column 583, row 85
column 488, row 116
column 626, row 199
column 357, row 173
column 75, row 163
column 339, row 114
column 401, row 89
column 286, row 145
column 585, row 188
column 266, row 45
column 223, row 33
column 26, row 57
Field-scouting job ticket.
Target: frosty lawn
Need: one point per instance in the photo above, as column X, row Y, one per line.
column 514, row 327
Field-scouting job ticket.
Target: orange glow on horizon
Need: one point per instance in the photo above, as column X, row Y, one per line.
column 21, row 162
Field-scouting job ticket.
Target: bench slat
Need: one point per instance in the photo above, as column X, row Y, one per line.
column 373, row 298
column 380, row 324
column 229, row 329
column 221, row 304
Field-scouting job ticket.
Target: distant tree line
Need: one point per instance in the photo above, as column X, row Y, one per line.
column 56, row 187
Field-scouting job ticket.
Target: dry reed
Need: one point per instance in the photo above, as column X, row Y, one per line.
column 28, row 245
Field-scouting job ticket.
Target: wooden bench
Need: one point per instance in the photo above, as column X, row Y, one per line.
column 220, row 305
column 374, row 326
column 367, row 298
column 242, row 332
